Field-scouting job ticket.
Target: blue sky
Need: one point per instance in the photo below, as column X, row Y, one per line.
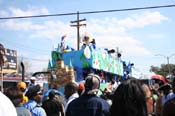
column 139, row 34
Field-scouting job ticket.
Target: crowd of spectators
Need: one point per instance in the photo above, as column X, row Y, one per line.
column 130, row 97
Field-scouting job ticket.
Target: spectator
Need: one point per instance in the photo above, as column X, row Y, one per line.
column 70, row 92
column 22, row 87
column 159, row 103
column 107, row 95
column 16, row 96
column 33, row 105
column 129, row 100
column 149, row 100
column 167, row 92
column 6, row 106
column 155, row 95
column 58, row 96
column 168, row 108
column 89, row 104
column 32, row 81
column 52, row 106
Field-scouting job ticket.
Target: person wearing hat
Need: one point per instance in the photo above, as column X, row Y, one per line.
column 89, row 104
column 167, row 92
column 32, row 81
column 34, row 94
column 81, row 89
column 22, row 87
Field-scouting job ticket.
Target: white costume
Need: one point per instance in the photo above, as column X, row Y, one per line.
column 6, row 106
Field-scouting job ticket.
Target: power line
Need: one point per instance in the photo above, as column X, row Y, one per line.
column 91, row 12
column 128, row 9
column 37, row 16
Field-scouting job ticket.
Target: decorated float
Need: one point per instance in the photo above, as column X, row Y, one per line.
column 73, row 65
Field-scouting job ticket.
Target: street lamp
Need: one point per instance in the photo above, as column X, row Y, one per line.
column 168, row 61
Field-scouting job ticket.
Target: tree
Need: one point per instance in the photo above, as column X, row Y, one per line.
column 163, row 69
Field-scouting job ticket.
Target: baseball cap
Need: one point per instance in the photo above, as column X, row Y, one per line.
column 81, row 86
column 33, row 78
column 21, row 85
column 33, row 91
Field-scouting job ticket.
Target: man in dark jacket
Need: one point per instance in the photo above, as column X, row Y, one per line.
column 89, row 104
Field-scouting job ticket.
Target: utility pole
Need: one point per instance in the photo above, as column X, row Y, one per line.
column 168, row 62
column 78, row 25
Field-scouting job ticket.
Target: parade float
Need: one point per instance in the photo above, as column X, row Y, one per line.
column 73, row 65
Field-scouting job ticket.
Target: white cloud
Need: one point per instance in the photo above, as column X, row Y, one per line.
column 53, row 30
column 29, row 12
column 4, row 13
column 145, row 19
column 105, row 26
column 20, row 26
column 128, row 45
